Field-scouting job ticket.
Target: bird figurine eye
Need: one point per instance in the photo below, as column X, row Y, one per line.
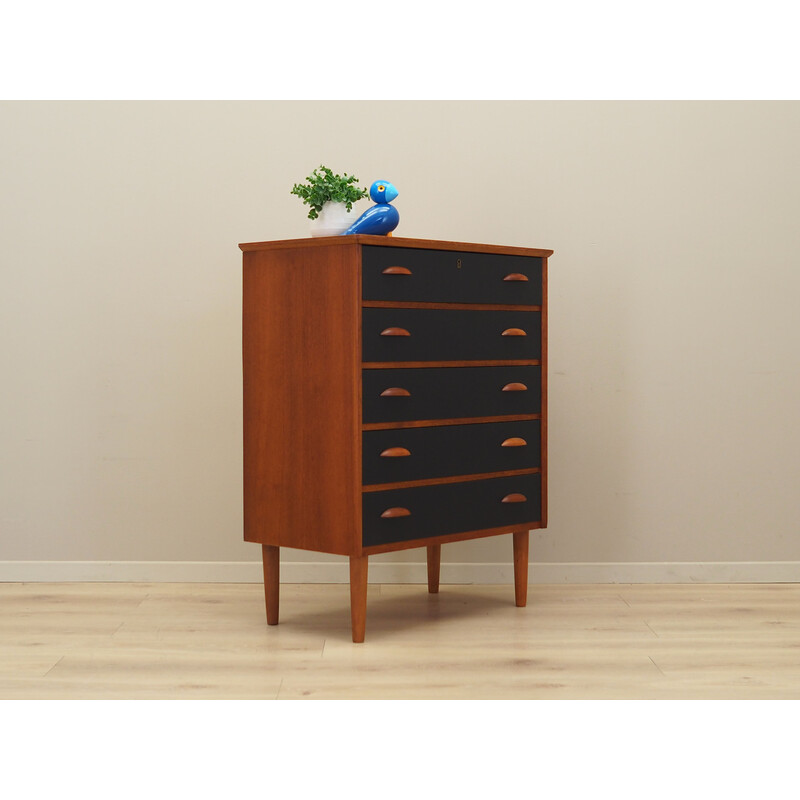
column 381, row 188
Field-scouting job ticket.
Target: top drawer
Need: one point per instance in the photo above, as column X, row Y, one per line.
column 449, row 276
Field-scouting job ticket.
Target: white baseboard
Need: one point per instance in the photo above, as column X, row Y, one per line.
column 400, row 572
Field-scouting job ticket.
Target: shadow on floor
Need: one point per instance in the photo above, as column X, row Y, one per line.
column 395, row 613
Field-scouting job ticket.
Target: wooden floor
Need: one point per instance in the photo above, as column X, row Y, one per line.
column 114, row 640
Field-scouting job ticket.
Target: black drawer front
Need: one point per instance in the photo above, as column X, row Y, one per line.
column 450, row 276
column 449, row 335
column 450, row 508
column 449, row 392
column 442, row 451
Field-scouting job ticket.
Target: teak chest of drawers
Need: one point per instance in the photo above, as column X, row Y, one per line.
column 394, row 397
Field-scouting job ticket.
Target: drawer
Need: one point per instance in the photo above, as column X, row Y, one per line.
column 416, row 393
column 408, row 454
column 449, row 276
column 399, row 515
column 413, row 334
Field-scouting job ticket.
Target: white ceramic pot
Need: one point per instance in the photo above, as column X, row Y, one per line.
column 332, row 220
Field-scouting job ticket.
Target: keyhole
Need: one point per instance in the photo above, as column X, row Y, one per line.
column 458, row 263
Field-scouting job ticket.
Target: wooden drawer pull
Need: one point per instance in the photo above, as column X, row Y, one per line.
column 395, row 332
column 516, row 276
column 513, row 332
column 514, row 441
column 398, row 512
column 395, row 391
column 395, row 452
column 514, row 498
column 515, row 387
column 399, row 271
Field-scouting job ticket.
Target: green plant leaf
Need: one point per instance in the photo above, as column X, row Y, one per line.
column 324, row 185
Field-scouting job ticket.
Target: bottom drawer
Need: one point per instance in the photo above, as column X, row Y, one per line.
column 427, row 511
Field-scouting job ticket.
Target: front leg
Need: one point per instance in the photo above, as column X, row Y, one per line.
column 434, row 564
column 521, row 567
column 358, row 596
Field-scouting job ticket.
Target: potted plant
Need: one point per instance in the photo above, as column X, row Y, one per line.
column 331, row 198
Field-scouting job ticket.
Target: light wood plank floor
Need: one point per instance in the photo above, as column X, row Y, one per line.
column 118, row 640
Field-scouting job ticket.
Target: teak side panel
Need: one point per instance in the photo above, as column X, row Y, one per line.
column 302, row 366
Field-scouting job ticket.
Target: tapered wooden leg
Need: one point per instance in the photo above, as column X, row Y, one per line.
column 521, row 567
column 358, row 596
column 434, row 563
column 271, row 557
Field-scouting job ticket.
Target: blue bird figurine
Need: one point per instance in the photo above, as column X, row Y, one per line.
column 380, row 219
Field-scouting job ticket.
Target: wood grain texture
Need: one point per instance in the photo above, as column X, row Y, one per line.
column 123, row 641
column 434, row 556
column 395, row 332
column 204, row 641
column 358, row 596
column 395, row 241
column 301, row 365
column 272, row 581
column 395, row 452
column 521, row 539
column 424, row 423
column 514, row 497
column 446, row 539
column 380, row 487
column 303, row 401
column 446, row 306
column 522, row 362
column 396, row 511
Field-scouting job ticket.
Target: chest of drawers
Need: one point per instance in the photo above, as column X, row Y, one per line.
column 395, row 396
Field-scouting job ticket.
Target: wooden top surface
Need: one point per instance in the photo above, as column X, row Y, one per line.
column 394, row 241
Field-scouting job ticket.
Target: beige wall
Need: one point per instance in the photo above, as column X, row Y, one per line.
column 674, row 338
